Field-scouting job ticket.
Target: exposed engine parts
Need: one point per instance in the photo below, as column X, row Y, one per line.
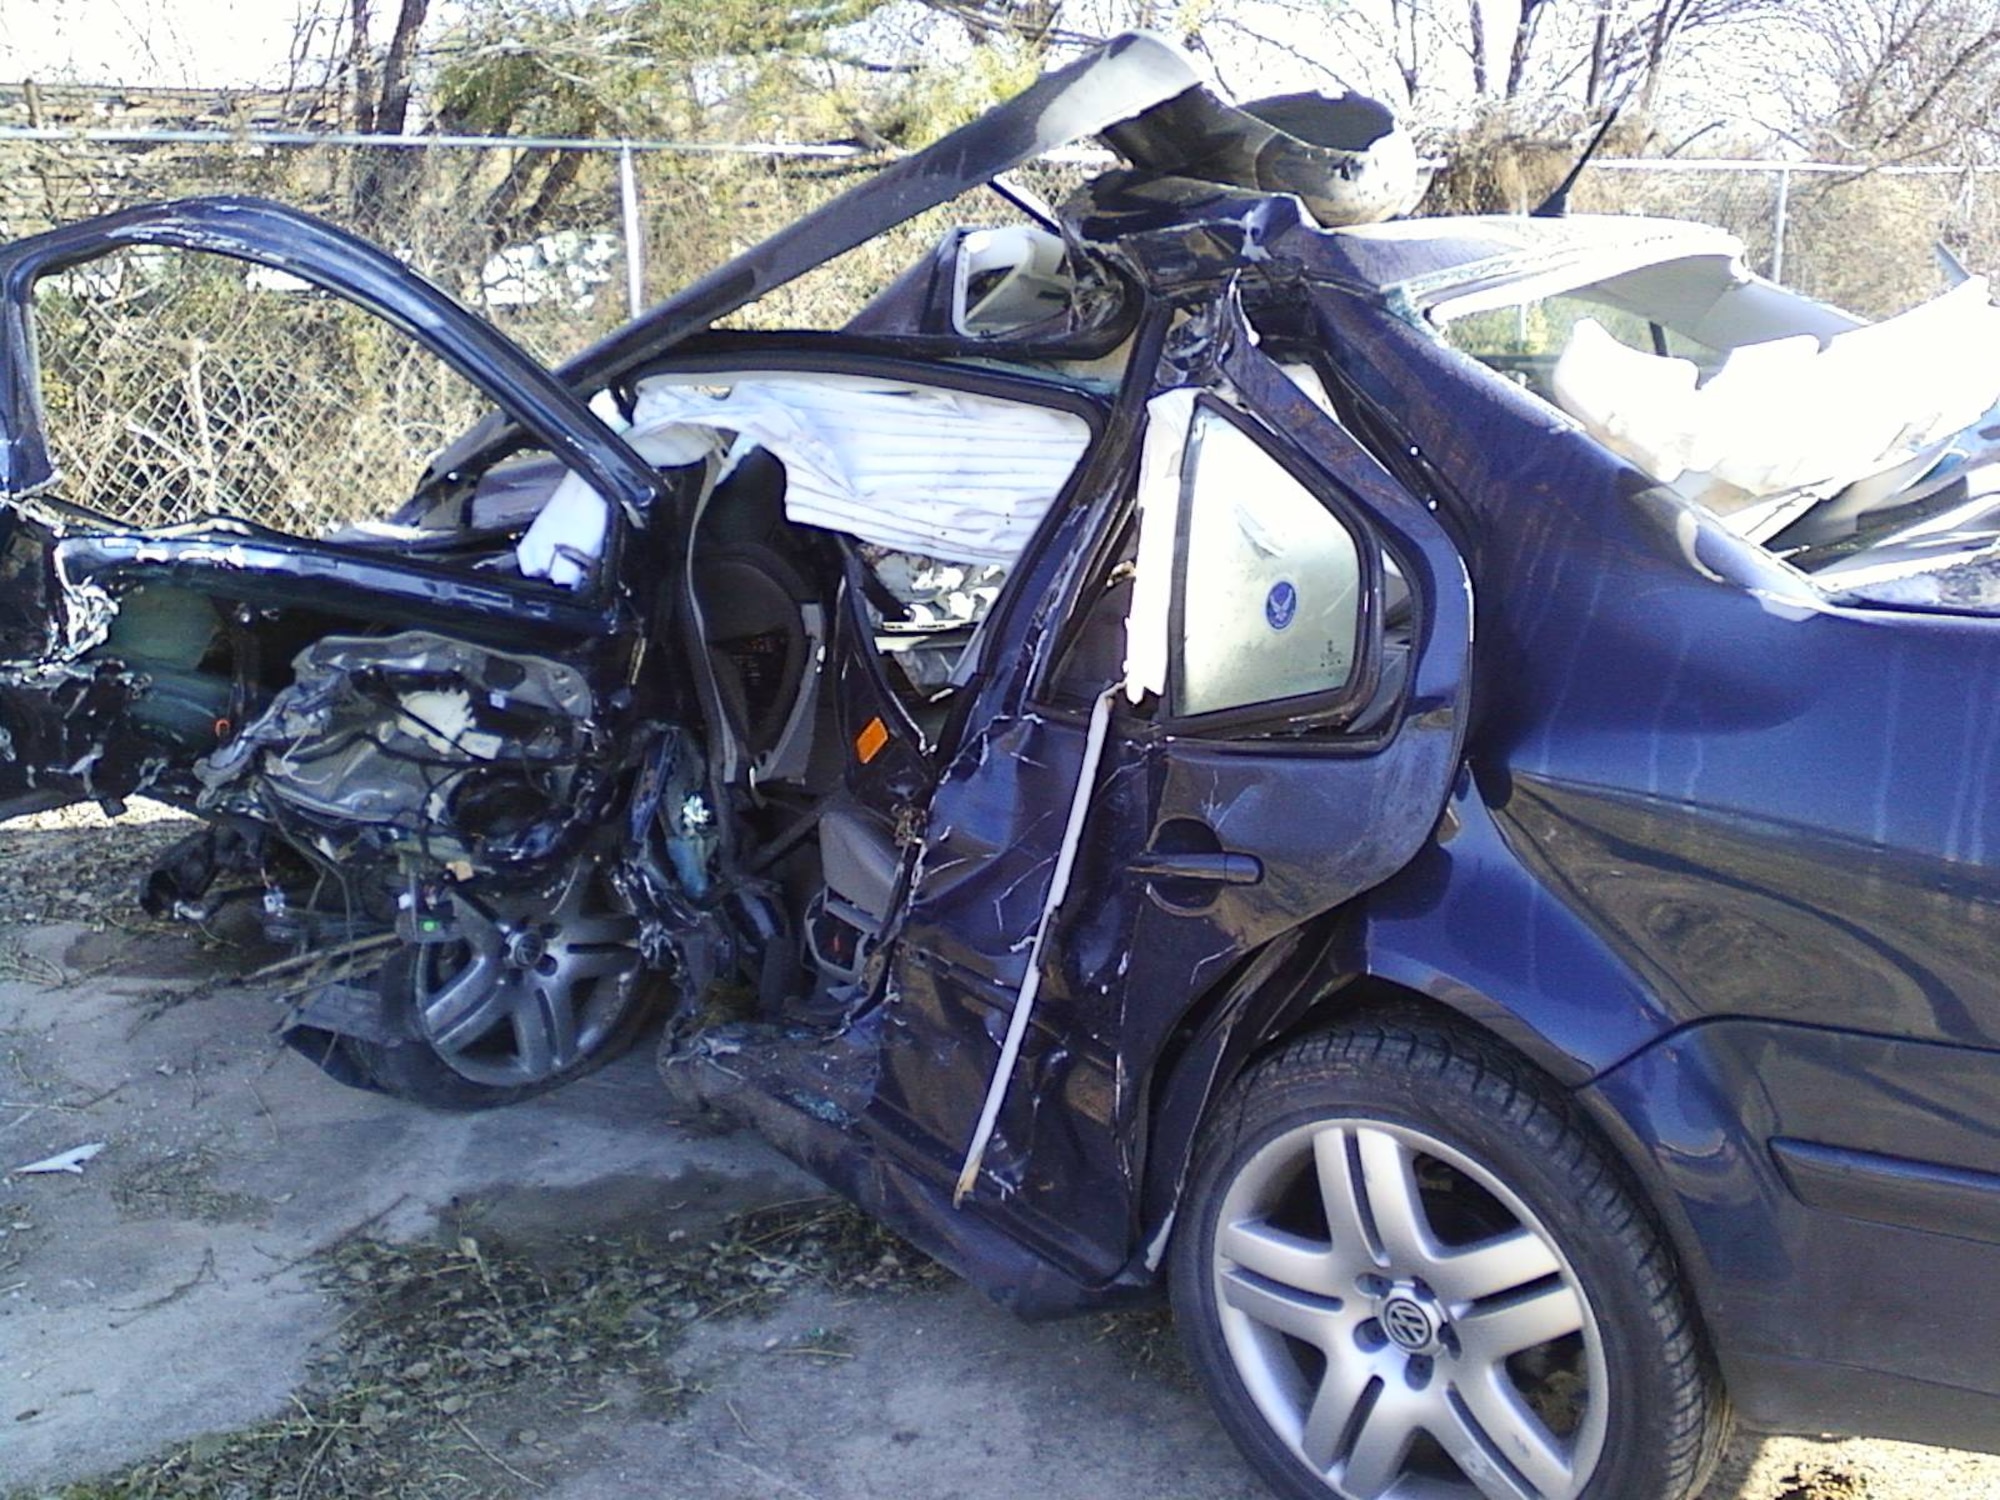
column 417, row 749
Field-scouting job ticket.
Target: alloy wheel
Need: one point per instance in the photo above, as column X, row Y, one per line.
column 530, row 985
column 1404, row 1322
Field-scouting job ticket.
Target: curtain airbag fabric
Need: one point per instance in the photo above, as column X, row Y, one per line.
column 1161, row 454
column 950, row 474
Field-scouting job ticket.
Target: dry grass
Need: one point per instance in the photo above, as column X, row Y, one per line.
column 416, row 1395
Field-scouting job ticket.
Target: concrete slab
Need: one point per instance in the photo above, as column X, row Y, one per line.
column 163, row 1293
column 160, row 1293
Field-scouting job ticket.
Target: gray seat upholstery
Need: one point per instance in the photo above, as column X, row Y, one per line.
column 752, row 602
column 859, row 860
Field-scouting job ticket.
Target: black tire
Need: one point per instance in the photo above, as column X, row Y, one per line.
column 1427, row 1136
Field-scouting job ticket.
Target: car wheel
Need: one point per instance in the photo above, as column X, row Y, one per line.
column 1405, row 1268
column 536, row 988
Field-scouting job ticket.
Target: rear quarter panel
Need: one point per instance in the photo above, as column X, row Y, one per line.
column 1736, row 858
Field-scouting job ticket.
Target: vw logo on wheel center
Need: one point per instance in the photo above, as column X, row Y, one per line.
column 1407, row 1324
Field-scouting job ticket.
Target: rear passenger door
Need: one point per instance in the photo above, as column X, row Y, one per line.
column 1284, row 635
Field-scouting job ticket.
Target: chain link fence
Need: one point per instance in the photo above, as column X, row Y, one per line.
column 1862, row 239
column 178, row 385
column 181, row 385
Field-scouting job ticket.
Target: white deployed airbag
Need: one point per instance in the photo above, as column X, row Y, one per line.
column 1169, row 415
column 950, row 474
column 566, row 537
column 1791, row 413
column 564, row 541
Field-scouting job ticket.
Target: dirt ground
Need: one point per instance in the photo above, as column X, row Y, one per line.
column 266, row 1284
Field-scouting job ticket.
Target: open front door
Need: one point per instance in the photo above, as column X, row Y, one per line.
column 1296, row 659
column 141, row 620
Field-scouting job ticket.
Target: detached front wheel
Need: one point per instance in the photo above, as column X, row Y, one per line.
column 1406, row 1271
column 533, row 988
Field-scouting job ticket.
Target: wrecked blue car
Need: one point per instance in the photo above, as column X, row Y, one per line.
column 1420, row 786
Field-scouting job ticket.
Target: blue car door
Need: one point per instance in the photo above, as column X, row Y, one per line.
column 1258, row 716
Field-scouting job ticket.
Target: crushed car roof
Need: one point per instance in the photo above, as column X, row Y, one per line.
column 1426, row 258
column 1122, row 79
column 1179, row 215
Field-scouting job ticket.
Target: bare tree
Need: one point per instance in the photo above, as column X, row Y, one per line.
column 389, row 111
column 1912, row 78
column 315, row 58
column 379, row 85
column 1526, row 22
column 1538, row 60
column 1033, row 22
column 1406, row 23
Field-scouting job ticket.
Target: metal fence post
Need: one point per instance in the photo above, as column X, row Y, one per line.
column 635, row 249
column 1779, row 214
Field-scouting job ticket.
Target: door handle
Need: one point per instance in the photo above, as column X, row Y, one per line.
column 1219, row 868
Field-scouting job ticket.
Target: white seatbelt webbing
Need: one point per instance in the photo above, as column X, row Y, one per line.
column 1031, row 982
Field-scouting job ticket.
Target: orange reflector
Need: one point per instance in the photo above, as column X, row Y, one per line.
column 868, row 744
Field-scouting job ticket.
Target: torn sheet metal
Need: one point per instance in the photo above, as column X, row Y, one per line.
column 1128, row 75
column 462, row 751
column 1345, row 156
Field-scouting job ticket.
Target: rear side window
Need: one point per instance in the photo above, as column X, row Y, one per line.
column 1272, row 583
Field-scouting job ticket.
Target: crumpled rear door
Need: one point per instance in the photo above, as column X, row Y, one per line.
column 1243, row 799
